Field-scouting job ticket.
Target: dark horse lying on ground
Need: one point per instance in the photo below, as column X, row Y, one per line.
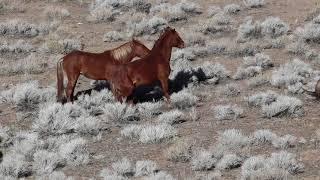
column 97, row 66
column 154, row 67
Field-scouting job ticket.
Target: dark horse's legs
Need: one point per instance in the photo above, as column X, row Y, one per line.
column 72, row 81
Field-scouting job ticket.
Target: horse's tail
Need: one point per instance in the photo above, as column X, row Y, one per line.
column 60, row 86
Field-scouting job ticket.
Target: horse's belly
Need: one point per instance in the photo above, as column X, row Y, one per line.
column 96, row 75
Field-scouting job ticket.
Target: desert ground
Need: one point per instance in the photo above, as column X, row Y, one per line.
column 241, row 105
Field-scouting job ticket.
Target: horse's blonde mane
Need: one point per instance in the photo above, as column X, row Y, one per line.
column 121, row 52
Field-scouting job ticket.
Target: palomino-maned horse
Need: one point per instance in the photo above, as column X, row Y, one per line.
column 147, row 70
column 97, row 66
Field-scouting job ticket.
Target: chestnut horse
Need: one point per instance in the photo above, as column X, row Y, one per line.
column 147, row 70
column 97, row 66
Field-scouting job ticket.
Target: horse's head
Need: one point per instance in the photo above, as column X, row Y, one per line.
column 175, row 39
column 139, row 49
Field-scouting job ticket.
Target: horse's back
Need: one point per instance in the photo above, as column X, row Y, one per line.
column 91, row 65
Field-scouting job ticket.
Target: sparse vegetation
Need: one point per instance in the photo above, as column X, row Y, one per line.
column 273, row 104
column 254, row 3
column 149, row 133
column 183, row 99
column 19, row 28
column 291, row 75
column 120, row 112
column 253, row 66
column 28, row 96
column 271, row 27
column 113, row 36
column 232, row 8
column 278, row 166
column 54, row 12
column 57, row 119
column 148, row 26
column 202, row 160
column 20, row 46
column 180, row 151
column 228, row 112
column 171, row 117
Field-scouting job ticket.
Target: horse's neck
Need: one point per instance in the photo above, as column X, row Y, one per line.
column 164, row 49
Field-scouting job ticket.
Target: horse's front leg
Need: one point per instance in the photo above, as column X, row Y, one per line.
column 116, row 93
column 165, row 88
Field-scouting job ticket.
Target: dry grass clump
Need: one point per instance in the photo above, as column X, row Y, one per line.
column 262, row 98
column 63, row 46
column 214, row 71
column 180, row 151
column 28, row 96
column 58, row 119
column 32, row 64
column 254, row 3
column 102, row 14
column 232, row 9
column 120, row 112
column 257, row 81
column 150, row 133
column 310, row 32
column 192, row 38
column 183, row 99
column 229, row 161
column 233, row 139
column 265, row 136
column 176, row 12
column 227, row 153
column 228, row 112
column 20, row 28
column 202, row 160
column 274, row 105
column 94, row 104
column 298, row 48
column 29, row 154
column 249, row 30
column 148, row 26
column 230, row 90
column 20, row 46
column 274, row 27
column 292, row 75
column 218, row 23
column 253, row 66
column 244, row 49
column 114, row 36
column 10, row 6
column 171, row 117
column 213, row 10
column 284, row 106
column 56, row 13
column 107, row 10
column 280, row 165
column 149, row 109
column 125, row 169
column 215, row 175
column 271, row 27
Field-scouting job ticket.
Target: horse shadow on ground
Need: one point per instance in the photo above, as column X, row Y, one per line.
column 154, row 92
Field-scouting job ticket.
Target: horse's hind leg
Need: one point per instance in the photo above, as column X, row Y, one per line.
column 72, row 81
